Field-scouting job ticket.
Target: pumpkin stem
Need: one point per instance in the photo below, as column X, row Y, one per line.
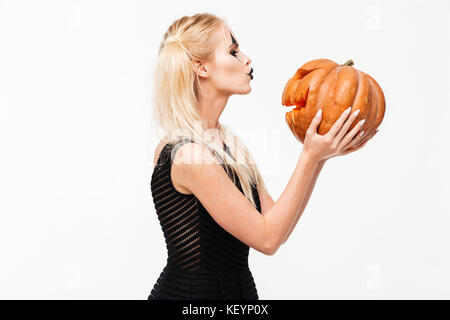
column 348, row 63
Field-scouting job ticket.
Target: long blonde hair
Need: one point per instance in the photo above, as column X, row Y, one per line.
column 176, row 94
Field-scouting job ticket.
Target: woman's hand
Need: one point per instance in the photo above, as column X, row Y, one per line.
column 336, row 141
column 353, row 147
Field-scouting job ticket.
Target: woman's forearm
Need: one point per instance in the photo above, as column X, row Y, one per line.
column 305, row 201
column 281, row 216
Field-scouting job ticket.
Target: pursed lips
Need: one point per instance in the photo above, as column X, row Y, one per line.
column 251, row 73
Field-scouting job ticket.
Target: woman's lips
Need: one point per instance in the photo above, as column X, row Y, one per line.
column 250, row 73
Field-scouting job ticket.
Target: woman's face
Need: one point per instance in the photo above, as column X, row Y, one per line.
column 229, row 71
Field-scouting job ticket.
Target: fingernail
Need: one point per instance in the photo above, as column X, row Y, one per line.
column 362, row 122
column 348, row 110
column 356, row 112
column 362, row 132
column 318, row 112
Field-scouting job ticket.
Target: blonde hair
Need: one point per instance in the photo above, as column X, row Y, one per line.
column 176, row 94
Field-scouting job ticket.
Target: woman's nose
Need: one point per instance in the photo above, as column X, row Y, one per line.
column 248, row 60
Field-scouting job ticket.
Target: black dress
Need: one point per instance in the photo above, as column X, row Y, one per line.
column 204, row 261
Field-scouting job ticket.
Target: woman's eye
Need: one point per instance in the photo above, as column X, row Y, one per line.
column 234, row 52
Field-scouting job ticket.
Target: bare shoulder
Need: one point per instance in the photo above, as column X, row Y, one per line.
column 192, row 153
column 193, row 163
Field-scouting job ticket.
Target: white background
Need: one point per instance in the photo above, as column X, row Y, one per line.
column 77, row 219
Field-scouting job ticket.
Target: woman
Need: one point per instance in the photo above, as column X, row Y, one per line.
column 209, row 195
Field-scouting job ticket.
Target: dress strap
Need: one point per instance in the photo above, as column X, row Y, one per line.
column 173, row 149
column 167, row 154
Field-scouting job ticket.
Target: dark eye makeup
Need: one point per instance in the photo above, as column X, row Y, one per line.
column 234, row 52
column 235, row 44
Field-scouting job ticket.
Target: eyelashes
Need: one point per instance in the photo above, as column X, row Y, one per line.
column 234, row 52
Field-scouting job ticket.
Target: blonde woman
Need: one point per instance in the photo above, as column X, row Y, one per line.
column 208, row 193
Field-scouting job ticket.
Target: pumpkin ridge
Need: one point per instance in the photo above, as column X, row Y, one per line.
column 302, row 91
column 373, row 107
column 306, row 99
column 358, row 86
column 345, row 88
column 287, row 97
column 356, row 98
column 382, row 100
column 317, row 85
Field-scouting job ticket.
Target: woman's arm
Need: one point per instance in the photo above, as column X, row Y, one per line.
column 305, row 201
column 267, row 202
column 280, row 218
column 199, row 172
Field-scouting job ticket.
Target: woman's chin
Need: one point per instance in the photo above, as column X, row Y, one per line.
column 245, row 90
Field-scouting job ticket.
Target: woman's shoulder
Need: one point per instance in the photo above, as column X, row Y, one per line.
column 158, row 150
column 169, row 146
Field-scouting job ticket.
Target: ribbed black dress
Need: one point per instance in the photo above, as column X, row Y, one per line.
column 204, row 261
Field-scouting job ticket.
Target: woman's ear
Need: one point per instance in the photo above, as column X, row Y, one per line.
column 200, row 69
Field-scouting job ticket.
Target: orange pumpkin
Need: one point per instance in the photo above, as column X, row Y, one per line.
column 324, row 84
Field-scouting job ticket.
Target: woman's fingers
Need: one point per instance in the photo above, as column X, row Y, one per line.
column 351, row 136
column 353, row 149
column 338, row 124
column 347, row 125
column 312, row 129
column 356, row 143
